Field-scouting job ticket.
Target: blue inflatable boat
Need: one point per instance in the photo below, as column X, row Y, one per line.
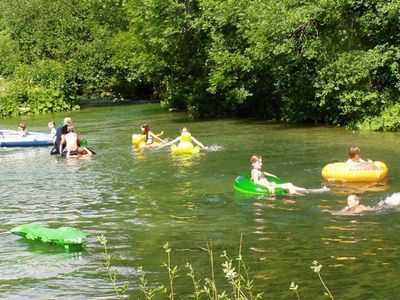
column 12, row 138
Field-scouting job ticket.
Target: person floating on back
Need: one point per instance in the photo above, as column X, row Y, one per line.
column 258, row 176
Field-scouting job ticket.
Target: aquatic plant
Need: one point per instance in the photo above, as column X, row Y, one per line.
column 236, row 274
column 112, row 274
column 294, row 287
column 242, row 285
column 317, row 269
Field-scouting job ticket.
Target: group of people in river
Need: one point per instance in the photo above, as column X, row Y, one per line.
column 67, row 142
column 260, row 177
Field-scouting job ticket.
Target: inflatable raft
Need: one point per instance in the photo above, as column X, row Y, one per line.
column 185, row 145
column 244, row 184
column 185, row 148
column 139, row 141
column 12, row 138
column 65, row 236
column 355, row 172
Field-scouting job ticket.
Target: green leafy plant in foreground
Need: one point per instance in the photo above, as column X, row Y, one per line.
column 235, row 272
column 317, row 269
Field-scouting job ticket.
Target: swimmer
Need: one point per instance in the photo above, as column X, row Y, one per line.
column 354, row 207
column 259, row 177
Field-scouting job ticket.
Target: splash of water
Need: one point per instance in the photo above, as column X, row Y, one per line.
column 390, row 201
column 213, row 148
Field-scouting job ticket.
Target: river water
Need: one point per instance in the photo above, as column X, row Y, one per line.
column 141, row 200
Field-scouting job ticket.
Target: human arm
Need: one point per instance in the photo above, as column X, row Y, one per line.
column 170, row 143
column 198, row 143
column 155, row 137
column 269, row 174
column 255, row 178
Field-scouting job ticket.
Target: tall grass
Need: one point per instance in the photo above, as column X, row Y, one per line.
column 235, row 271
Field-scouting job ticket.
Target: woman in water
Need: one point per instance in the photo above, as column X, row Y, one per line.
column 149, row 136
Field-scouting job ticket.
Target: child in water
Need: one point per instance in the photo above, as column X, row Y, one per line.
column 52, row 127
column 353, row 206
column 22, row 129
column 258, row 177
column 184, row 137
column 149, row 136
column 355, row 156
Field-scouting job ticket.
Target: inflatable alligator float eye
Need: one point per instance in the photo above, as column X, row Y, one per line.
column 244, row 184
column 355, row 172
column 64, row 236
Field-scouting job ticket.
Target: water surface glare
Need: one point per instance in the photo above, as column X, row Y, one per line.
column 141, row 200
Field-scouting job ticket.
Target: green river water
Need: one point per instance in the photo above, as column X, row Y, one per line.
column 141, row 200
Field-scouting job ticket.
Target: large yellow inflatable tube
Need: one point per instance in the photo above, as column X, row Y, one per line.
column 355, row 172
column 185, row 148
column 139, row 141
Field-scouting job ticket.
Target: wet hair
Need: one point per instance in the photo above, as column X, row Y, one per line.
column 356, row 197
column 64, row 129
column 255, row 158
column 353, row 151
column 146, row 128
column 70, row 128
column 22, row 125
column 184, row 127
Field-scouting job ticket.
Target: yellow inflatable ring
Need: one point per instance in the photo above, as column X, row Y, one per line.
column 138, row 140
column 355, row 172
column 185, row 148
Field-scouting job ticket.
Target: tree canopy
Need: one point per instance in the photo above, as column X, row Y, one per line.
column 331, row 61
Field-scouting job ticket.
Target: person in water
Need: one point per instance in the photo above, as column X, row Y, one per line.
column 149, row 136
column 22, row 129
column 52, row 127
column 258, row 176
column 355, row 156
column 354, row 207
column 185, row 137
column 62, row 130
column 71, row 141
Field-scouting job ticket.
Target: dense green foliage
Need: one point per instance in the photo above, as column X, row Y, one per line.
column 333, row 61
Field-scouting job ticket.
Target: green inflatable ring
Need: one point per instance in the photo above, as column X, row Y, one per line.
column 65, row 236
column 244, row 184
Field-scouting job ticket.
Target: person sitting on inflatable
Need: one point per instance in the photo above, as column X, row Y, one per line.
column 355, row 156
column 185, row 145
column 258, row 177
column 22, row 129
column 146, row 138
column 71, row 141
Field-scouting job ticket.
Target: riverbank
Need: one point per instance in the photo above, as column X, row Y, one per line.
column 100, row 101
